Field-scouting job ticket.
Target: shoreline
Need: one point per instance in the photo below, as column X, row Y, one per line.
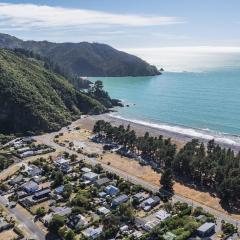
column 178, row 138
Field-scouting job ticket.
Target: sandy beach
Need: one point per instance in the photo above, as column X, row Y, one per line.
column 87, row 122
column 179, row 139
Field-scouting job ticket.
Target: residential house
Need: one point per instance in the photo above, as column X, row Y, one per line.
column 206, row 229
column 111, row 190
column 78, row 221
column 162, row 215
column 26, row 154
column 62, row 211
column 119, row 200
column 102, row 194
column 30, row 187
column 33, row 171
column 92, row 232
column 169, row 236
column 150, row 225
column 63, row 164
column 42, row 194
column 85, row 170
column 90, row 176
column 150, row 203
column 141, row 196
column 17, row 180
column 103, row 211
column 59, row 190
column 102, row 181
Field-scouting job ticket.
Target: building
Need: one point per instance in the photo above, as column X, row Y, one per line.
column 103, row 211
column 137, row 234
column 162, row 215
column 86, row 170
column 90, row 176
column 47, row 219
column 42, row 194
column 169, row 236
column 62, row 211
column 150, row 225
column 17, row 180
column 111, row 190
column 59, row 190
column 119, row 200
column 63, row 164
column 102, row 181
column 27, row 201
column 77, row 222
column 30, row 187
column 26, row 154
column 206, row 229
column 150, row 203
column 92, row 232
column 140, row 196
column 33, row 171
column 102, row 194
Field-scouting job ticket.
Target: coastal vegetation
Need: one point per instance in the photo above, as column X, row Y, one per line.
column 34, row 99
column 211, row 167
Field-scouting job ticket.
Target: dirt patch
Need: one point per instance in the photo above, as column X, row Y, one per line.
column 45, row 205
column 8, row 235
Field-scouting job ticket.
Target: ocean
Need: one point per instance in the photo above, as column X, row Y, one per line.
column 199, row 97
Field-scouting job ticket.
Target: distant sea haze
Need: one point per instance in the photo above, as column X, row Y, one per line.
column 199, row 102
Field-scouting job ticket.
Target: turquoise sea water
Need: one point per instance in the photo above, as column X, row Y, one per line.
column 200, row 104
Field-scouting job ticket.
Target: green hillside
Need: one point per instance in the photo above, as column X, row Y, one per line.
column 85, row 59
column 34, row 99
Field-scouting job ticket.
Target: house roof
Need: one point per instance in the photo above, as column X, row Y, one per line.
column 92, row 232
column 206, row 226
column 61, row 210
column 111, row 189
column 104, row 210
column 86, row 170
column 42, row 192
column 102, row 181
column 121, row 199
column 30, row 185
column 59, row 189
column 162, row 215
column 90, row 175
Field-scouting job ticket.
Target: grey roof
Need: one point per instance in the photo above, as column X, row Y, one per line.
column 120, row 199
column 102, row 181
column 30, row 185
column 42, row 192
column 206, row 226
column 61, row 210
column 90, row 175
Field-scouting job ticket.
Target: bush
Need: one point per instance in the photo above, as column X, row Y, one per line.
column 56, row 223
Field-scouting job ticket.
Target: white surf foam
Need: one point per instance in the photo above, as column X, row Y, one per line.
column 205, row 134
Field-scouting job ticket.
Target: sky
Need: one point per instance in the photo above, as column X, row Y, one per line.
column 135, row 25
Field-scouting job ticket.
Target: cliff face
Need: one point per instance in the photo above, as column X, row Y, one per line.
column 85, row 59
column 34, row 99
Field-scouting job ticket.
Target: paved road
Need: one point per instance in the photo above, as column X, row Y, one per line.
column 32, row 228
column 48, row 139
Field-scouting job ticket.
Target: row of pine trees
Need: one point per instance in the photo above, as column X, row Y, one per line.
column 211, row 167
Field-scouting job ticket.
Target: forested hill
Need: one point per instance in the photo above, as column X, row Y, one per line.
column 35, row 99
column 85, row 59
